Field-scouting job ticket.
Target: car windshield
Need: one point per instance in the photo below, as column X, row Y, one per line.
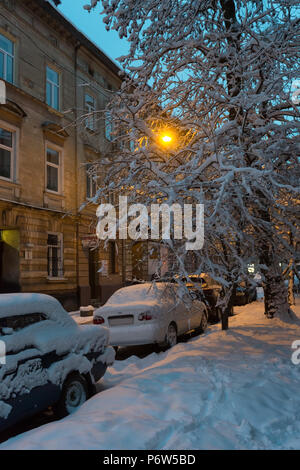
column 141, row 293
column 19, row 322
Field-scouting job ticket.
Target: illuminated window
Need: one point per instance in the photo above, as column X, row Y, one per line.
column 6, row 59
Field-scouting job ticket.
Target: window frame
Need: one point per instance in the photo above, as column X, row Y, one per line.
column 14, row 151
column 60, row 245
column 113, row 258
column 53, row 86
column 13, row 55
column 109, row 128
column 59, row 150
column 88, row 110
column 90, row 182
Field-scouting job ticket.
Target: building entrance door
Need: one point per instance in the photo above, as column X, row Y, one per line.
column 93, row 274
column 9, row 261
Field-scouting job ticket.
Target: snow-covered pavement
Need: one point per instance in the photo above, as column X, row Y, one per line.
column 222, row 390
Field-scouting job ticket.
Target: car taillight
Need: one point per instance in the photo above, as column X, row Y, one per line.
column 145, row 316
column 98, row 320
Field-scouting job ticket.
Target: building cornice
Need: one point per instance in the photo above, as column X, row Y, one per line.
column 75, row 33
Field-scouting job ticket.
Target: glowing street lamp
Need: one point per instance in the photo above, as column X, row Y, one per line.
column 166, row 139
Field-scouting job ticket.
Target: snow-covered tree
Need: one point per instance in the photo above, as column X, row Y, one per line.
column 217, row 75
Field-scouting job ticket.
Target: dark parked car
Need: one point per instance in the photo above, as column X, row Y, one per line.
column 203, row 287
column 245, row 294
column 209, row 290
column 46, row 359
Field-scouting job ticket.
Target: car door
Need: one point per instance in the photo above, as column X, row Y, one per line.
column 24, row 375
column 197, row 309
column 182, row 314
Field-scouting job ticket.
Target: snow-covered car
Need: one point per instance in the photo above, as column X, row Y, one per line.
column 151, row 313
column 46, row 359
column 245, row 294
column 210, row 291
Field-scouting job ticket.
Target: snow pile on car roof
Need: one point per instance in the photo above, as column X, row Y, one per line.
column 19, row 304
column 140, row 294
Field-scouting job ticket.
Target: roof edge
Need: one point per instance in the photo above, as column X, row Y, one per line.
column 80, row 37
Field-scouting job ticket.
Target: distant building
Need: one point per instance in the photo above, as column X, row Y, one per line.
column 54, row 75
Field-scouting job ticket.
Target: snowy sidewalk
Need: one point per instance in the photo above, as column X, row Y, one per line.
column 221, row 390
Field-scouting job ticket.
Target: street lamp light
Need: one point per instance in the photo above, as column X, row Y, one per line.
column 166, row 139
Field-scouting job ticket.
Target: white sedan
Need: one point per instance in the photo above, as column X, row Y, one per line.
column 151, row 313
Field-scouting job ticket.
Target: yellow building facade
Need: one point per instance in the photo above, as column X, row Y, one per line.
column 54, row 76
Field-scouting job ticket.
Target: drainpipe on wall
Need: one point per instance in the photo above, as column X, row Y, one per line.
column 77, row 47
column 123, row 262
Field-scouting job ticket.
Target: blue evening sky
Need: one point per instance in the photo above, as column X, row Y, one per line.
column 92, row 26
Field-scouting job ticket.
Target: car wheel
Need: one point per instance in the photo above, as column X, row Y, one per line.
column 171, row 336
column 203, row 323
column 74, row 394
column 218, row 314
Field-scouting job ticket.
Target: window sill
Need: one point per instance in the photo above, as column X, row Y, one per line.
column 91, row 201
column 54, row 193
column 54, row 111
column 56, row 279
column 91, row 131
column 9, row 182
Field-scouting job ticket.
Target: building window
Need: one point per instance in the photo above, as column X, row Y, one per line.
column 113, row 258
column 108, row 126
column 52, row 88
column 7, row 154
column 53, row 170
column 90, row 108
column 6, row 59
column 91, row 181
column 55, row 255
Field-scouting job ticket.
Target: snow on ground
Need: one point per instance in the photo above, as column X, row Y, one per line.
column 222, row 390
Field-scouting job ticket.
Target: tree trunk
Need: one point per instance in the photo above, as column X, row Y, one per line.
column 226, row 305
column 276, row 304
column 224, row 320
column 291, row 297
